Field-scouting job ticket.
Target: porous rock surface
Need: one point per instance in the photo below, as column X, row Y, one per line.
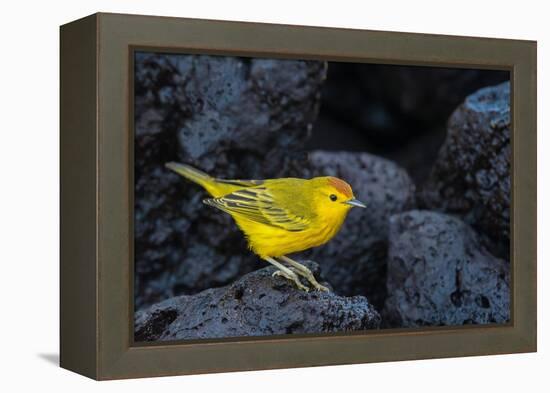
column 354, row 261
column 255, row 305
column 439, row 273
column 471, row 177
column 233, row 117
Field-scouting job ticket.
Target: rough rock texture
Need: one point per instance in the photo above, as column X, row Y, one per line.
column 354, row 262
column 440, row 274
column 255, row 305
column 471, row 177
column 235, row 117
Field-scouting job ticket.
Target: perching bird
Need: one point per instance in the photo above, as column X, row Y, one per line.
column 280, row 216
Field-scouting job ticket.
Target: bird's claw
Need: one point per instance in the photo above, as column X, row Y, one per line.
column 311, row 278
column 321, row 288
column 294, row 279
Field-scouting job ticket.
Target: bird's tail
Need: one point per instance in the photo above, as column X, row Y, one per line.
column 209, row 183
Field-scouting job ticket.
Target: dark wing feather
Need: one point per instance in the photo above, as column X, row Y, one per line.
column 257, row 204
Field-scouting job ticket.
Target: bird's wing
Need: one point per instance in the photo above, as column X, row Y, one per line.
column 259, row 205
column 241, row 183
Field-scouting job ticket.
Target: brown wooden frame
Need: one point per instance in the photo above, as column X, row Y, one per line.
column 97, row 195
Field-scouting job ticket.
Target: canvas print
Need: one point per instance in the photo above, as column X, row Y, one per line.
column 277, row 197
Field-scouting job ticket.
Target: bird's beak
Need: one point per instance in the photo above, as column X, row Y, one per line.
column 355, row 202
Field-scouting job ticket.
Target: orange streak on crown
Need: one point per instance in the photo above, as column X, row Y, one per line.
column 341, row 186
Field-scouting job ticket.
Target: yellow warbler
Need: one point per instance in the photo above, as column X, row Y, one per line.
column 280, row 216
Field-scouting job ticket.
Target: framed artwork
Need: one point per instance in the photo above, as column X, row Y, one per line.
column 241, row 196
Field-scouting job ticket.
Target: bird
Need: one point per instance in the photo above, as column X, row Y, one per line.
column 280, row 216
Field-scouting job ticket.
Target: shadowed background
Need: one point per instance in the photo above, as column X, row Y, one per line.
column 424, row 147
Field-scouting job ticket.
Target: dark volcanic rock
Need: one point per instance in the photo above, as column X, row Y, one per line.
column 471, row 177
column 354, row 262
column 255, row 305
column 233, row 117
column 440, row 274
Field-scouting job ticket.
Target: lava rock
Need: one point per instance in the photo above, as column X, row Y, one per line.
column 354, row 261
column 233, row 117
column 471, row 177
column 439, row 273
column 255, row 305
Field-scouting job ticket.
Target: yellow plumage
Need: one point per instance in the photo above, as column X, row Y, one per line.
column 280, row 216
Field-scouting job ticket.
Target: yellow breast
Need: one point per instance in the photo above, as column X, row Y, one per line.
column 269, row 241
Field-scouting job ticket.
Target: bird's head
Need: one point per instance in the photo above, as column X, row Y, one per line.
column 335, row 197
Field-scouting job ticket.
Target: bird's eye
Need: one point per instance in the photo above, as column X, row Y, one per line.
column 333, row 197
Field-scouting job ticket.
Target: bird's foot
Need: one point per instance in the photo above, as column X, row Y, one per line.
column 319, row 287
column 304, row 271
column 311, row 278
column 292, row 277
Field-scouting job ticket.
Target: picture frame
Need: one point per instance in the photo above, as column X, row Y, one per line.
column 96, row 170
